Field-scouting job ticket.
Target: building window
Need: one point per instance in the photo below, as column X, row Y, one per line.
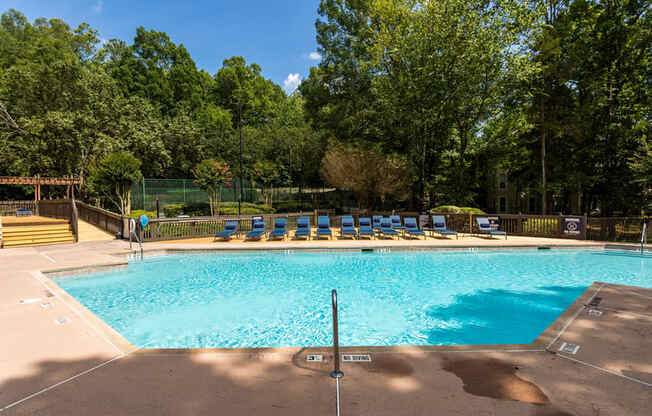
column 503, row 204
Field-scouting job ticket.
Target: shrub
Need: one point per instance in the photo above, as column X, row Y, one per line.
column 293, row 207
column 476, row 211
column 173, row 210
column 452, row 209
column 202, row 209
column 446, row 209
column 136, row 213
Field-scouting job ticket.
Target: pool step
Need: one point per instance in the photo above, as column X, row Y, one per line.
column 36, row 235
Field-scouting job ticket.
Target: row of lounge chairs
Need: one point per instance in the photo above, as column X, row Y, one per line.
column 367, row 227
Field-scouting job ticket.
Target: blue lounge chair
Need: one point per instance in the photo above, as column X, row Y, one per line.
column 257, row 230
column 439, row 226
column 230, row 228
column 484, row 226
column 365, row 228
column 280, row 229
column 323, row 226
column 303, row 228
column 412, row 228
column 386, row 228
column 348, row 227
column 377, row 220
column 396, row 222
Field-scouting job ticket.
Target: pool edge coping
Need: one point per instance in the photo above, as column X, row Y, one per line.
column 96, row 323
column 540, row 344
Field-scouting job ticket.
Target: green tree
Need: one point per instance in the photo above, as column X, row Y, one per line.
column 211, row 176
column 267, row 174
column 114, row 176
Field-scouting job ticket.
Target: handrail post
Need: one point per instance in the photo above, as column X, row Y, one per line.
column 74, row 219
column 337, row 373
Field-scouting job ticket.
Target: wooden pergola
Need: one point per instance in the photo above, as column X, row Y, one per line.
column 37, row 181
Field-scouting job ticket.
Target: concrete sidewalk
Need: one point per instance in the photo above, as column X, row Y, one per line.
column 76, row 368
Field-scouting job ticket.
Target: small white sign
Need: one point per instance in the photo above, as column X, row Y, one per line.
column 569, row 348
column 356, row 358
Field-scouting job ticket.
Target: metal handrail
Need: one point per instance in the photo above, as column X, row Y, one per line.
column 644, row 235
column 337, row 373
column 132, row 232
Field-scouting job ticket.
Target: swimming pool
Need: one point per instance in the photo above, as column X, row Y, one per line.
column 274, row 299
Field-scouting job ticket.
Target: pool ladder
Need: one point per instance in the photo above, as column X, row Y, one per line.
column 133, row 233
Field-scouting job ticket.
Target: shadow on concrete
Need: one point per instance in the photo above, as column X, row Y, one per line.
column 175, row 384
column 241, row 383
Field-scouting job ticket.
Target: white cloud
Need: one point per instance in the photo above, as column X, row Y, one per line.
column 315, row 56
column 291, row 83
column 97, row 8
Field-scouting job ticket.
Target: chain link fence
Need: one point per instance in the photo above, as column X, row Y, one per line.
column 145, row 193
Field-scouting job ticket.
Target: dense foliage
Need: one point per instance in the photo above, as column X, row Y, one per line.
column 67, row 101
column 553, row 95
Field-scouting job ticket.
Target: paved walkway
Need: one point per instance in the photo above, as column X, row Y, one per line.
column 77, row 368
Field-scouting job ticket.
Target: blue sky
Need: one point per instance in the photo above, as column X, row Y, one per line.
column 279, row 35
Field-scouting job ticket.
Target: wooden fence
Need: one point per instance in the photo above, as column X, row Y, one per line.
column 62, row 209
column 199, row 227
column 101, row 218
column 624, row 229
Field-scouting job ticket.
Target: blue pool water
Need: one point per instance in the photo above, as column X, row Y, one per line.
column 400, row 298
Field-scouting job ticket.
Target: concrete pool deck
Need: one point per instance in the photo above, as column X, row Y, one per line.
column 77, row 368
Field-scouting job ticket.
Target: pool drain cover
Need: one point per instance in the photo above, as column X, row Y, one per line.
column 314, row 357
column 356, row 358
column 569, row 348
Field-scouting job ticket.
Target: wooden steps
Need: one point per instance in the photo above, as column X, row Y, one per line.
column 36, row 235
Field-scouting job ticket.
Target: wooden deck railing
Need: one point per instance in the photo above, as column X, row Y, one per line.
column 625, row 229
column 101, row 218
column 62, row 209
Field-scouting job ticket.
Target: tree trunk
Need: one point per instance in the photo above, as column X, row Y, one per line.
column 544, row 198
